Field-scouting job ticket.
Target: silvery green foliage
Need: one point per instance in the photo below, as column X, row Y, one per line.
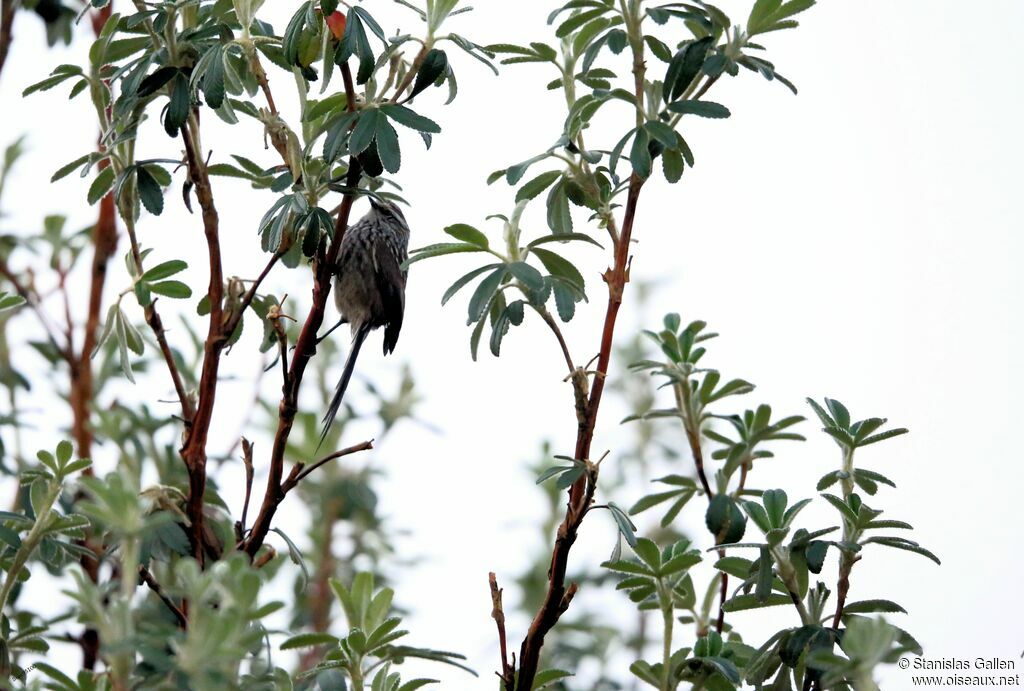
column 167, row 611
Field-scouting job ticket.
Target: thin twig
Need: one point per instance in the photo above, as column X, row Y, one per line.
column 154, row 321
column 507, row 675
column 265, row 558
column 32, row 299
column 411, row 74
column 550, row 321
column 236, row 316
column 249, row 473
column 154, row 585
column 300, row 471
column 707, row 85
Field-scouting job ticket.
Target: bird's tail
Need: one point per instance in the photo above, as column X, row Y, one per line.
column 358, row 337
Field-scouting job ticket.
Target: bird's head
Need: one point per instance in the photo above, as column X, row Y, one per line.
column 389, row 211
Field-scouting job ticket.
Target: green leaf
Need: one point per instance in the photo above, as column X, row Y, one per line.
column 904, row 544
column 459, row 284
column 562, row 238
column 829, row 479
column 405, row 116
column 150, row 194
column 648, row 553
column 101, row 185
column 559, row 217
column 527, row 275
column 883, row 436
column 547, row 677
column 758, row 515
column 171, row 289
column 65, row 169
column 843, row 508
column 121, row 331
column 626, row 527
column 9, row 302
column 839, row 413
column 775, row 501
column 164, row 270
column 55, row 674
column 363, row 132
column 652, row 500
column 467, row 233
column 434, row 65
column 512, row 314
column 213, row 77
column 750, row 601
column 576, row 21
column 704, row 109
column 295, row 554
column 872, row 606
column 179, row 105
column 537, row 185
column 438, row 250
column 735, row 566
column 387, row 146
column 565, row 302
column 561, row 267
column 815, row 553
column 684, row 66
column 724, row 519
column 306, row 640
column 484, row 292
column 640, row 155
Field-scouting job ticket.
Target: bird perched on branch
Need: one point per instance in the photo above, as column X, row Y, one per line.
column 369, row 285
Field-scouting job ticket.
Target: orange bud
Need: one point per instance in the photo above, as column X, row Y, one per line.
column 336, row 22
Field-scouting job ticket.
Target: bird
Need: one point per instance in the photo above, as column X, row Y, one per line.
column 369, row 285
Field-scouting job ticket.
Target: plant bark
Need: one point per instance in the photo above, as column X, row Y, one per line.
column 581, row 494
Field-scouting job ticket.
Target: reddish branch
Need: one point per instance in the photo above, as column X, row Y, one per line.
column 846, row 563
column 8, row 8
column 82, row 389
column 508, row 669
column 300, row 471
column 581, row 494
column 305, row 348
column 104, row 238
column 193, row 449
column 411, row 74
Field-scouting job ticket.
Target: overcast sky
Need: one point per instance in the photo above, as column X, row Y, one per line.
column 860, row 241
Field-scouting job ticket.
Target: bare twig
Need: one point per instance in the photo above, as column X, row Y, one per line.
column 155, row 323
column 550, row 321
column 236, row 316
column 34, row 303
column 508, row 673
column 265, row 558
column 154, row 585
column 275, row 316
column 300, row 471
column 249, row 473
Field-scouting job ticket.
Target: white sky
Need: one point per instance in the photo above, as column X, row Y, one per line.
column 857, row 241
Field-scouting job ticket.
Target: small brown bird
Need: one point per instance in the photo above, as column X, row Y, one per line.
column 369, row 285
